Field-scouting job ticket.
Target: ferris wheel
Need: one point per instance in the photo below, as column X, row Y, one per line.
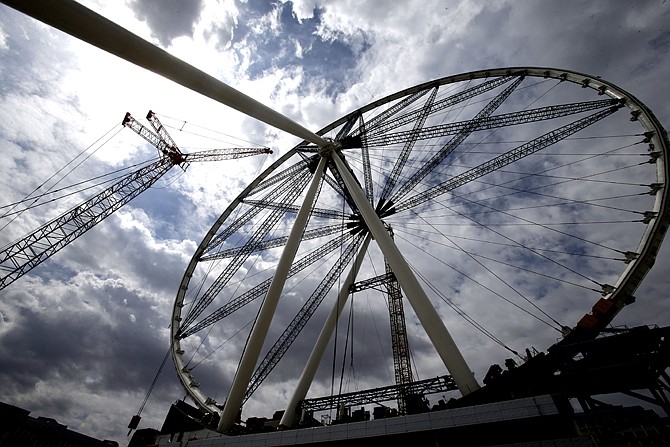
column 513, row 200
column 513, row 194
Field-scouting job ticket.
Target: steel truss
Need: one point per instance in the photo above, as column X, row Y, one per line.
column 21, row 256
column 411, row 185
column 435, row 385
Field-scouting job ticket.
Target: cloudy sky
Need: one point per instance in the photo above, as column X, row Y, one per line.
column 83, row 335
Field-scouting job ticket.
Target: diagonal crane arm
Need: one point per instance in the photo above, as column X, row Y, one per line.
column 21, row 256
column 26, row 253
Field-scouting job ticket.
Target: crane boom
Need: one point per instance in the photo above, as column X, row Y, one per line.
column 26, row 253
column 160, row 130
column 21, row 256
column 166, row 147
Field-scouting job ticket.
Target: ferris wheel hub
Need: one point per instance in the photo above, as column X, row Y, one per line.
column 328, row 149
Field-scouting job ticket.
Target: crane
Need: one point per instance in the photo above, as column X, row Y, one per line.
column 26, row 253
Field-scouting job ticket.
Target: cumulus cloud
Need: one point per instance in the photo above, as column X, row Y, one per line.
column 167, row 20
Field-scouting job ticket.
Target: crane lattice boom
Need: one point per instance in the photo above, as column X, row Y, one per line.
column 21, row 256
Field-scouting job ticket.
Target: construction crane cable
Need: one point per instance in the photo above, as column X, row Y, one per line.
column 113, row 179
column 350, row 333
column 153, row 383
column 30, row 195
column 184, row 123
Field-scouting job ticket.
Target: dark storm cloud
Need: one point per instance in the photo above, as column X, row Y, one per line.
column 84, row 337
column 168, row 19
column 100, row 338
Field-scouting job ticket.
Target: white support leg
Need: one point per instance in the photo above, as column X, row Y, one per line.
column 264, row 318
column 428, row 316
column 289, row 417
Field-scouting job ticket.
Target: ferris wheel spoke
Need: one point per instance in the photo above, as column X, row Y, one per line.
column 372, row 126
column 471, row 320
column 294, row 328
column 509, row 157
column 498, row 121
column 262, row 288
column 226, row 310
column 291, row 172
column 506, row 283
column 543, row 173
column 591, row 203
column 317, row 212
column 563, row 180
column 549, row 227
column 416, row 230
column 351, row 121
column 442, row 104
column 236, row 262
column 448, row 148
column 367, row 168
column 407, row 148
column 638, row 190
column 529, row 266
column 564, row 201
column 538, row 254
column 334, row 178
column 649, row 189
column 278, row 242
column 442, row 240
column 292, row 184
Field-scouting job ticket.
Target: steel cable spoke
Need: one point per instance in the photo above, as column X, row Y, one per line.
column 448, row 148
column 509, row 157
column 300, row 320
column 262, row 288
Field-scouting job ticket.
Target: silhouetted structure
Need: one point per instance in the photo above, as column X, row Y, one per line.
column 527, row 403
column 19, row 429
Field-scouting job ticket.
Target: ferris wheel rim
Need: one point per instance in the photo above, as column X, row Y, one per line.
column 622, row 290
